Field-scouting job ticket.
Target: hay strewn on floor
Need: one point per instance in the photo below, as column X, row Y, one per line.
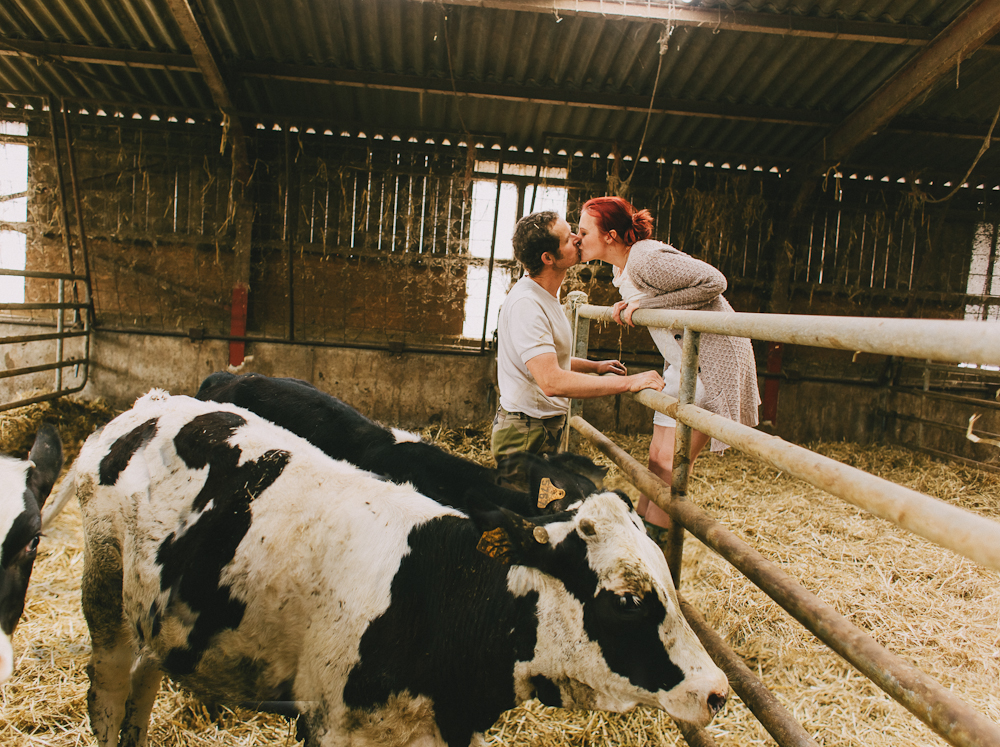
column 934, row 609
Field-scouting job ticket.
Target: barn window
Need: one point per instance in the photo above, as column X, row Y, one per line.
column 984, row 280
column 13, row 209
column 984, row 274
column 516, row 197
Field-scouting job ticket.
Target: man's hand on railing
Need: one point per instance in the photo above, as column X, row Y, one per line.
column 645, row 380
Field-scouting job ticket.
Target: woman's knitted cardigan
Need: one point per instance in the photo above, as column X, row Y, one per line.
column 671, row 279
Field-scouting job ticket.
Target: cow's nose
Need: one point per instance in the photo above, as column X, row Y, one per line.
column 717, row 700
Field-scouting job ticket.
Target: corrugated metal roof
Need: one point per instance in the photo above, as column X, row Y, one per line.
column 751, row 81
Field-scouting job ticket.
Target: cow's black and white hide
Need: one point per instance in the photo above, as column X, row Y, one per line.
column 344, row 433
column 251, row 567
column 24, row 486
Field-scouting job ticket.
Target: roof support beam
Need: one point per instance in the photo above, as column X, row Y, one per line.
column 717, row 19
column 521, row 94
column 963, row 37
column 317, row 75
column 241, row 207
column 212, row 72
column 59, row 52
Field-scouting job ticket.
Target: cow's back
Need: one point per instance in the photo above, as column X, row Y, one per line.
column 236, row 539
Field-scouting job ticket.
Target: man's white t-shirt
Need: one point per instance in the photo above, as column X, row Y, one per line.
column 532, row 322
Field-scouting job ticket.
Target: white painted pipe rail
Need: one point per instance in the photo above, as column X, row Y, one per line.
column 946, row 340
column 951, row 527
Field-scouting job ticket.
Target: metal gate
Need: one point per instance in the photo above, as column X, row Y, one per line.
column 46, row 346
column 956, row 529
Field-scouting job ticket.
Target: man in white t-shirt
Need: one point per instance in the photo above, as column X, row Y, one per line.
column 535, row 368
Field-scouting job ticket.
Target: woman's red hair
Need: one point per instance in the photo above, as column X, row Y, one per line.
column 618, row 215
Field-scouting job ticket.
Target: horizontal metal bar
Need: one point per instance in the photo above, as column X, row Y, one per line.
column 949, row 340
column 925, row 698
column 976, row 537
column 41, row 398
column 44, row 275
column 41, row 338
column 41, row 306
column 773, row 716
column 11, row 372
column 387, row 346
column 983, row 373
column 939, row 424
column 988, row 404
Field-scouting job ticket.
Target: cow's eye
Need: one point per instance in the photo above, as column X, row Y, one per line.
column 31, row 547
column 629, row 605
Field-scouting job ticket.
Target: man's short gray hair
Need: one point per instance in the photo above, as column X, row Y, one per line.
column 533, row 237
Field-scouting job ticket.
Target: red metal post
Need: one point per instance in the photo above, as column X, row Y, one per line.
column 772, row 384
column 238, row 324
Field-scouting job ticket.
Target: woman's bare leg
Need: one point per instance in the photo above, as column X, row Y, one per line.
column 661, row 462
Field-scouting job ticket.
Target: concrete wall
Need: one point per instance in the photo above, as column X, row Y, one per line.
column 952, row 418
column 413, row 390
column 826, row 411
column 410, row 390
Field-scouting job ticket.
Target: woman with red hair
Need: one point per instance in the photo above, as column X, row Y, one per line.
column 652, row 275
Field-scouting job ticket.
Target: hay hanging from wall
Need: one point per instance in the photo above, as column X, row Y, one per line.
column 935, row 609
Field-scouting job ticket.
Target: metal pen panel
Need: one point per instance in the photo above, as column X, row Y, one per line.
column 924, row 697
column 946, row 340
column 956, row 529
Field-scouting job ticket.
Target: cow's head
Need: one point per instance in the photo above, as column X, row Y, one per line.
column 610, row 632
column 573, row 476
column 24, row 486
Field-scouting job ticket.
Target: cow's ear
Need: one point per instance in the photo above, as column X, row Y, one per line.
column 47, row 458
column 504, row 535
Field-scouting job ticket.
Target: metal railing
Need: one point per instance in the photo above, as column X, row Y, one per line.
column 961, row 531
column 79, row 327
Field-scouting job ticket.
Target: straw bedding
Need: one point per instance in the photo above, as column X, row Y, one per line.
column 934, row 609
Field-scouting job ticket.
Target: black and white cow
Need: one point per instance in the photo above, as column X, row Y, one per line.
column 249, row 566
column 24, row 486
column 344, row 433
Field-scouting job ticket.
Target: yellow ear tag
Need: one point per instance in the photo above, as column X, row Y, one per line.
column 547, row 492
column 496, row 544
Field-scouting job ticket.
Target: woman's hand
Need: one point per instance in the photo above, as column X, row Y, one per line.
column 622, row 312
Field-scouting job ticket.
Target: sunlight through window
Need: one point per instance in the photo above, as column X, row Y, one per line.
column 13, row 209
column 484, row 202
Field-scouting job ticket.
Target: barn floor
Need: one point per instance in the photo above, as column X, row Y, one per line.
column 935, row 609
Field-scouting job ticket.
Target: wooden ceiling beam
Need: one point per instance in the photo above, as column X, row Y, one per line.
column 874, row 32
column 59, row 52
column 524, row 95
column 317, row 75
column 960, row 39
column 212, row 72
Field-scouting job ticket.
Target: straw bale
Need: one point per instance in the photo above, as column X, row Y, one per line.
column 75, row 418
column 936, row 610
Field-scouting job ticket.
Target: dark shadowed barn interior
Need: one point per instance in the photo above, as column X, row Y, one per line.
column 326, row 189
